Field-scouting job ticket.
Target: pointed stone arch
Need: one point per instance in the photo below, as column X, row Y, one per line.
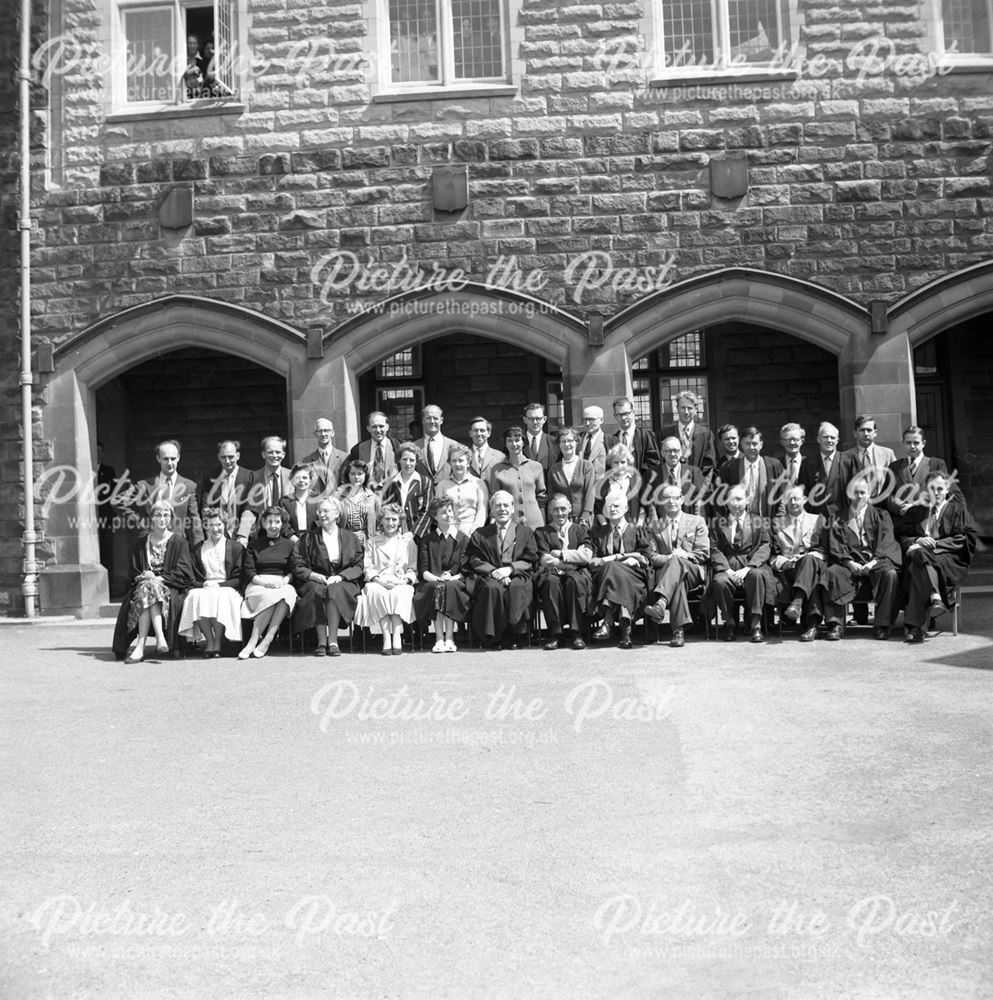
column 942, row 304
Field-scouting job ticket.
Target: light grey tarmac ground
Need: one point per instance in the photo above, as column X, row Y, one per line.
column 808, row 821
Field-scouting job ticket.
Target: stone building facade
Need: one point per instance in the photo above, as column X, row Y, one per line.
column 786, row 208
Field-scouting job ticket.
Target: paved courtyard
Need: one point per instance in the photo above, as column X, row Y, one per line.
column 717, row 822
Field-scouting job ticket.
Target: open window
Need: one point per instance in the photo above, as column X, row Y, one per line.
column 175, row 53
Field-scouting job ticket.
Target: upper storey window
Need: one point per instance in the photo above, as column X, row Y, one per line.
column 964, row 27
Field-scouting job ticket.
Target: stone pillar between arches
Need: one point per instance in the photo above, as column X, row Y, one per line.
column 596, row 376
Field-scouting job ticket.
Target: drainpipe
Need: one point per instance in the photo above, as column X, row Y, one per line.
column 29, row 587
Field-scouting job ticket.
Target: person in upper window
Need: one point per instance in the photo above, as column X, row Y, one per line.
column 193, row 75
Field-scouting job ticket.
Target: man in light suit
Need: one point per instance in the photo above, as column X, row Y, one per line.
column 538, row 445
column 593, row 446
column 682, row 549
column 869, row 457
column 269, row 484
column 762, row 477
column 325, row 460
column 688, row 478
column 739, row 558
column 170, row 485
column 503, row 555
column 825, row 475
column 434, row 446
column 482, row 457
column 639, row 441
column 229, row 489
column 378, row 451
column 696, row 439
column 908, row 481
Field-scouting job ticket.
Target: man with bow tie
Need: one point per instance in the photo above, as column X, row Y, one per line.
column 503, row 555
column 325, row 460
column 169, row 485
column 739, row 559
column 564, row 552
column 682, row 548
column 799, row 563
column 937, row 555
column 861, row 547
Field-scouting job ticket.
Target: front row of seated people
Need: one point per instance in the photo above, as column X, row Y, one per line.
column 809, row 565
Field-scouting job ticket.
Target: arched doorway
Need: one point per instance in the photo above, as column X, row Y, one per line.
column 196, row 396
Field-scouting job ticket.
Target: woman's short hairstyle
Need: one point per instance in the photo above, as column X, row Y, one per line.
column 618, row 452
column 300, row 467
column 160, row 505
column 331, row 502
column 565, row 430
column 412, row 448
column 513, row 432
column 272, row 512
column 211, row 514
column 437, row 503
column 346, row 472
column 391, row 508
column 459, row 449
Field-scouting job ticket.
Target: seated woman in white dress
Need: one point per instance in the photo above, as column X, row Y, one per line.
column 213, row 605
column 267, row 575
column 390, row 573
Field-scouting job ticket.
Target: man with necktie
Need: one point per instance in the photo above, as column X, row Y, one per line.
column 739, row 559
column 681, row 551
column 937, row 555
column 482, row 457
column 269, row 484
column 868, row 457
column 325, row 460
column 761, row 476
column 639, row 441
column 378, row 451
column 790, row 455
column 503, row 555
column 434, row 445
column 538, row 446
column 825, row 475
column 170, row 486
column 799, row 563
column 593, row 445
column 674, row 472
column 564, row 552
column 696, row 440
column 908, row 481
column 229, row 489
column 861, row 547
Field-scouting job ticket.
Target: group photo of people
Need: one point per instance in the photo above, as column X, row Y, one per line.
column 558, row 539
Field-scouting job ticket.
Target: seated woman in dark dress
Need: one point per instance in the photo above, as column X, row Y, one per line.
column 442, row 567
column 267, row 576
column 161, row 573
column 328, row 576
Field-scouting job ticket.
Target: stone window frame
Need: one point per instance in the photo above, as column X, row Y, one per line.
column 660, row 75
column 384, row 90
column 932, row 13
column 112, row 40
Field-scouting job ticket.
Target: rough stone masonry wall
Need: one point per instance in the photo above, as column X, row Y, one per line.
column 869, row 186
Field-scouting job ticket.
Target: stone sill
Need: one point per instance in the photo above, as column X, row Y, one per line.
column 724, row 79
column 178, row 111
column 445, row 94
column 979, row 65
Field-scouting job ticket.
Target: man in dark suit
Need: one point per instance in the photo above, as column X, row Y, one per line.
column 434, row 446
column 790, row 452
column 728, row 441
column 503, row 555
column 687, row 477
column 740, row 550
column 564, row 582
column 937, row 554
column 482, row 457
column 538, row 445
column 170, row 485
column 638, row 440
column 269, row 484
column 682, row 548
column 378, row 451
column 325, row 460
column 860, row 545
column 593, row 443
column 696, row 439
column 229, row 489
column 825, row 475
column 762, row 477
column 908, row 481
